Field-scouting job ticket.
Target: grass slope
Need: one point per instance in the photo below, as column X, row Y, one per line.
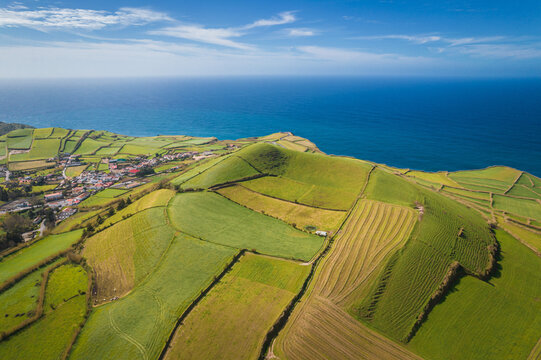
column 230, row 169
column 216, row 219
column 500, row 319
column 137, row 326
column 329, row 182
column 124, row 254
column 250, row 297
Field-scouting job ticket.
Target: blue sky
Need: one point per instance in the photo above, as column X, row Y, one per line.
column 42, row 39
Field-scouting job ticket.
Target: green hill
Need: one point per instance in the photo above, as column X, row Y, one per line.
column 267, row 248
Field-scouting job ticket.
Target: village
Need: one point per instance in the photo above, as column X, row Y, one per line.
column 63, row 194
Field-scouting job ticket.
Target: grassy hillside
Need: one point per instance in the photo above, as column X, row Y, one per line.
column 37, row 252
column 137, row 326
column 411, row 266
column 447, row 232
column 504, row 314
column 216, row 219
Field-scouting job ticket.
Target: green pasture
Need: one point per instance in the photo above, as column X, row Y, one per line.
column 48, row 337
column 216, row 219
column 522, row 207
column 33, row 254
column 230, row 169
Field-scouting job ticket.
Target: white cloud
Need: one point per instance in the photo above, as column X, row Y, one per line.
column 418, row 39
column 47, row 18
column 216, row 36
column 222, row 36
column 286, row 17
column 300, row 32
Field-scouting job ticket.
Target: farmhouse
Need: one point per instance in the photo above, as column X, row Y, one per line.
column 321, row 233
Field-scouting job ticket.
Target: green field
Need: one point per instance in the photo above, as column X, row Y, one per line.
column 30, row 165
column 250, row 297
column 27, row 257
column 315, row 175
column 41, row 149
column 230, row 169
column 503, row 316
column 522, row 207
column 89, row 146
column 20, row 139
column 18, row 302
column 197, row 168
column 137, row 326
column 49, row 336
column 74, row 171
column 103, row 197
column 216, row 219
column 124, row 254
column 154, row 199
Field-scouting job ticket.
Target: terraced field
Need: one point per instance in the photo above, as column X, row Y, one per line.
column 41, row 149
column 250, row 297
column 213, row 218
column 302, row 216
column 321, row 328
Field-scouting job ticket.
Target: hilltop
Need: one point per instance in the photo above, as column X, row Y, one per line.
column 181, row 247
column 7, row 127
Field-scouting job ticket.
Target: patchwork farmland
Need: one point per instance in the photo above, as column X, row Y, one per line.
column 266, row 248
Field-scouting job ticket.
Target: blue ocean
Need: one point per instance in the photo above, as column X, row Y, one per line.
column 427, row 124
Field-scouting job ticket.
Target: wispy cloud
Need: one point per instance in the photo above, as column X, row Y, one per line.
column 286, row 17
column 223, row 36
column 418, row 39
column 215, row 36
column 58, row 18
column 300, row 32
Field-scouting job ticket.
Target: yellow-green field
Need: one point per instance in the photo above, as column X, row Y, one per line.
column 300, row 215
column 250, row 297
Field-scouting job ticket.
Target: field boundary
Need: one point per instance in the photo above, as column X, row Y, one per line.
column 39, row 307
column 197, row 300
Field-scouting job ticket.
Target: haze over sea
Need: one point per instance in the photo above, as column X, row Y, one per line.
column 427, row 124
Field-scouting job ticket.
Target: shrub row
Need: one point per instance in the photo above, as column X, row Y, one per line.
column 450, row 278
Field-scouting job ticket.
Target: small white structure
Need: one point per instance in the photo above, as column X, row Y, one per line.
column 321, row 233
